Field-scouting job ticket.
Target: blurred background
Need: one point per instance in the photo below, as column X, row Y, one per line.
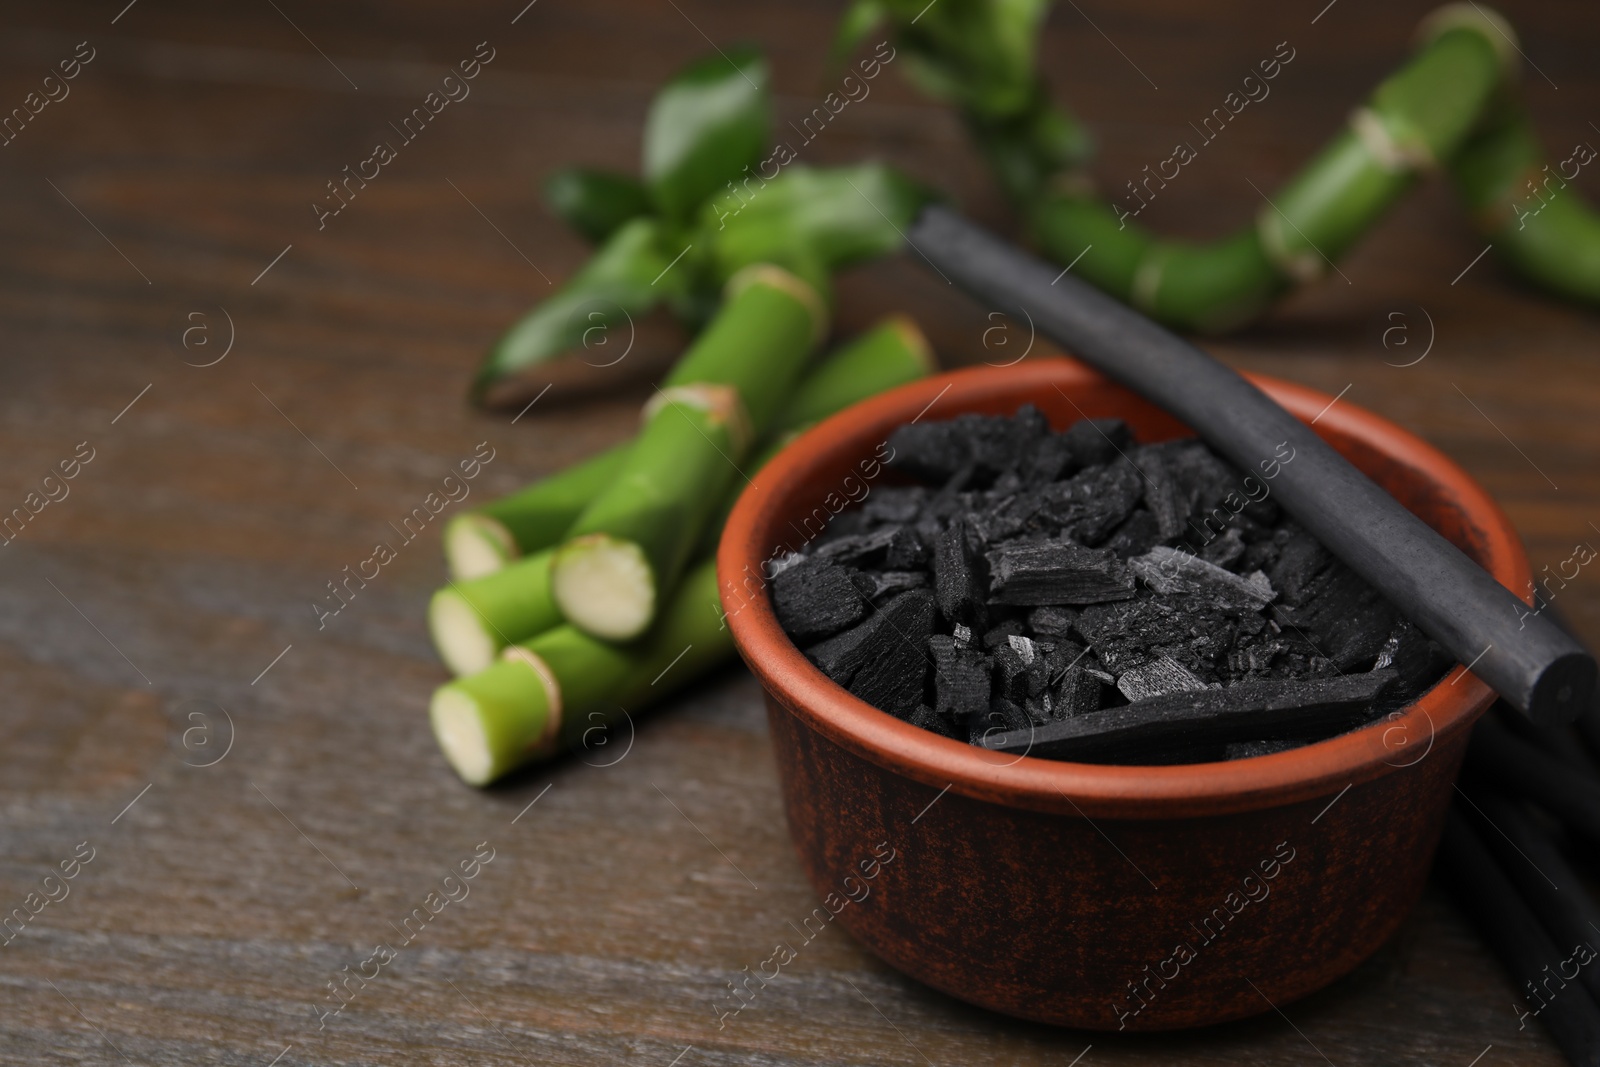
column 236, row 471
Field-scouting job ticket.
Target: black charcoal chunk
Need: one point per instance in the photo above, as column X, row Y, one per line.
column 1199, row 632
column 958, row 579
column 1095, row 441
column 895, row 504
column 1138, row 534
column 1414, row 656
column 985, row 446
column 1345, row 618
column 1079, row 691
column 883, row 660
column 816, row 599
column 1051, row 459
column 1157, row 678
column 1249, row 711
column 857, row 550
column 1052, row 621
column 1301, row 558
column 1090, row 504
column 1171, row 570
column 1001, row 633
column 907, row 551
column 960, row 678
column 888, row 583
column 1225, row 550
column 1038, row 573
column 931, row 720
column 1004, row 718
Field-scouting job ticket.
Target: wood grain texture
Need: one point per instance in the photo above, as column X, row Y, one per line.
column 187, row 555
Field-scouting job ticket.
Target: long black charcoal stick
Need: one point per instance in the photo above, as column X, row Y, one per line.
column 1483, row 891
column 1553, row 890
column 1524, row 769
column 1527, row 660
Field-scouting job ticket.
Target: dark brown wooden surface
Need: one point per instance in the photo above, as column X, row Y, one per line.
column 188, row 554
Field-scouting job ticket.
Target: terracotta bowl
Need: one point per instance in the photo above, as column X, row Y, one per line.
column 1101, row 897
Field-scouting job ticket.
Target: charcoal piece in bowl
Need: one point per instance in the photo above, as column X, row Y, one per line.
column 1159, row 677
column 1138, row 534
column 958, row 579
column 1041, row 573
column 883, row 660
column 1095, row 441
column 985, row 446
column 1091, row 504
column 888, row 583
column 1170, row 570
column 1052, row 621
column 865, row 549
column 1248, row 711
column 815, row 598
column 960, row 677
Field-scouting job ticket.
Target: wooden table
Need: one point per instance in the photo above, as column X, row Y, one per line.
column 163, row 610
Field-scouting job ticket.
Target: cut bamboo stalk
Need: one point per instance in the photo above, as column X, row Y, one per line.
column 472, row 620
column 626, row 551
column 555, row 690
column 482, row 541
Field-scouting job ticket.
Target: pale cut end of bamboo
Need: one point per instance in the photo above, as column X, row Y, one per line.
column 494, row 721
column 721, row 401
column 476, row 545
column 778, row 278
column 914, row 339
column 1492, row 25
column 460, row 636
column 458, row 727
column 604, row 586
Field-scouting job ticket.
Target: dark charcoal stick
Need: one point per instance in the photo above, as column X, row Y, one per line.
column 1246, row 711
column 1540, row 670
column 1505, row 921
column 1530, row 858
column 1522, row 768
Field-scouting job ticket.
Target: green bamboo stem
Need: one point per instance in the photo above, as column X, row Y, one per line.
column 552, row 692
column 480, row 542
column 1449, row 105
column 626, row 551
column 1420, row 115
column 1543, row 228
column 471, row 621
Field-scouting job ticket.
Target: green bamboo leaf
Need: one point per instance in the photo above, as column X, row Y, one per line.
column 705, row 127
column 626, row 278
column 839, row 215
column 595, row 202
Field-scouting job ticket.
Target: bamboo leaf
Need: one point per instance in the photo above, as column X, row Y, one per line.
column 839, row 215
column 705, row 127
column 595, row 202
column 625, row 279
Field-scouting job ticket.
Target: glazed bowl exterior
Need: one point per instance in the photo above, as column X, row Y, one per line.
column 1091, row 896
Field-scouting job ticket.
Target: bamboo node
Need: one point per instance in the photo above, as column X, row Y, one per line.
column 548, row 741
column 722, row 402
column 1302, row 266
column 774, row 276
column 1486, row 22
column 1393, row 154
column 1147, row 280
